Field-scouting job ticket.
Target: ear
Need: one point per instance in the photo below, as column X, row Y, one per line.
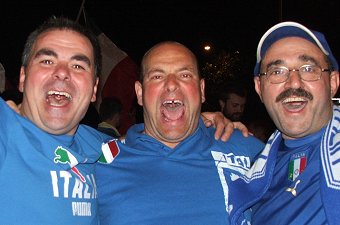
column 202, row 85
column 257, row 83
column 95, row 87
column 22, row 78
column 139, row 92
column 334, row 82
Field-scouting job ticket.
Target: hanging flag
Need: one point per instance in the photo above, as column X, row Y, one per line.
column 119, row 73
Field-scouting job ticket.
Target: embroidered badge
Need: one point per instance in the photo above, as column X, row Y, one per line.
column 297, row 164
column 110, row 151
column 65, row 157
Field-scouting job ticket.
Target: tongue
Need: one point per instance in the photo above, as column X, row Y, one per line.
column 58, row 100
column 172, row 111
column 293, row 106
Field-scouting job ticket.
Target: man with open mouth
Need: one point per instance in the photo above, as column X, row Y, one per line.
column 170, row 169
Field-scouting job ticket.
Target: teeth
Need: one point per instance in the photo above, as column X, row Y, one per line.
column 297, row 99
column 177, row 102
column 67, row 95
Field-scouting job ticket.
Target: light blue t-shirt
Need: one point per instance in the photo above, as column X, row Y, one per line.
column 197, row 182
column 44, row 178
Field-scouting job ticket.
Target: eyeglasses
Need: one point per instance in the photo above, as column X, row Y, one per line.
column 280, row 74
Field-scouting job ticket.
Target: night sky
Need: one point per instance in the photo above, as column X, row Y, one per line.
column 134, row 26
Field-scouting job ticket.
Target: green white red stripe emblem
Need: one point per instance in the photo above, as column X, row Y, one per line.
column 110, row 151
column 297, row 164
column 65, row 157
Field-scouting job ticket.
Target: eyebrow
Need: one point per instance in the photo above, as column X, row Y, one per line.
column 49, row 52
column 274, row 63
column 82, row 58
column 307, row 58
column 155, row 70
column 186, row 68
column 45, row 51
column 304, row 58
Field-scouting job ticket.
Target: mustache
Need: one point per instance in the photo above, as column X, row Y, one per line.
column 299, row 92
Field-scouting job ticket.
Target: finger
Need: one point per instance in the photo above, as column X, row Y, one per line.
column 240, row 126
column 224, row 127
column 206, row 121
column 218, row 122
column 219, row 130
column 228, row 129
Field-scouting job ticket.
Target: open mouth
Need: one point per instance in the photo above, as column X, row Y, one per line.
column 294, row 103
column 172, row 110
column 58, row 98
column 172, row 104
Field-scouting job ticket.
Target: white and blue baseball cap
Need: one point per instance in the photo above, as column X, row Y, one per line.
column 292, row 29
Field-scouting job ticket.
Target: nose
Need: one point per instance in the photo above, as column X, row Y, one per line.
column 294, row 80
column 171, row 82
column 62, row 72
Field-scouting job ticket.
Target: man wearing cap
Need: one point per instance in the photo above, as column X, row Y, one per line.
column 296, row 76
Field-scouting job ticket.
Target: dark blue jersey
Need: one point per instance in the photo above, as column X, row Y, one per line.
column 305, row 186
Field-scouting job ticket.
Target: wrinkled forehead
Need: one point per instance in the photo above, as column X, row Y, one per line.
column 64, row 36
column 171, row 55
column 169, row 51
column 297, row 47
column 65, row 42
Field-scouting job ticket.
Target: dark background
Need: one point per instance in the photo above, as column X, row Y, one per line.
column 135, row 25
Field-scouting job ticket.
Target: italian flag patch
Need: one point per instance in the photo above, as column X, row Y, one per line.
column 110, row 151
column 297, row 164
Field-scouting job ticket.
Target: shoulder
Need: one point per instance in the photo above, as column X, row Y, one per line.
column 92, row 134
column 247, row 146
column 5, row 109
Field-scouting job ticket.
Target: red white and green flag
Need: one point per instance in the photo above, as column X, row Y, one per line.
column 110, row 151
column 297, row 164
column 119, row 74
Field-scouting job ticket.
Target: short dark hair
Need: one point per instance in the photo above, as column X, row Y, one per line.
column 109, row 107
column 63, row 23
column 232, row 88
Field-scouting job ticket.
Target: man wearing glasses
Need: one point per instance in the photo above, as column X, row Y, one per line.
column 296, row 76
